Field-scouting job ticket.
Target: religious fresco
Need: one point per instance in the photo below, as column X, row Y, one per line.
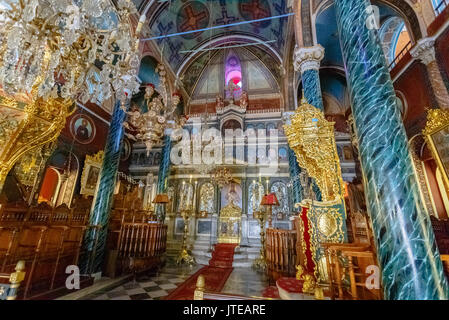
column 82, row 128
column 126, row 150
column 255, row 194
column 184, row 16
column 207, row 197
column 280, row 189
column 231, row 193
column 185, row 197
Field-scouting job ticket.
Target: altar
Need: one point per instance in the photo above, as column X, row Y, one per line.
column 230, row 224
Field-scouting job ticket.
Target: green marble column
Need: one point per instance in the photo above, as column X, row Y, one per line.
column 164, row 172
column 95, row 240
column 164, row 168
column 409, row 259
column 295, row 171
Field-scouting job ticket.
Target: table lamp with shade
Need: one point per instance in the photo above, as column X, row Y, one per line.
column 268, row 200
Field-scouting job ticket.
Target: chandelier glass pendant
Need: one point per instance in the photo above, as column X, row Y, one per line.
column 77, row 49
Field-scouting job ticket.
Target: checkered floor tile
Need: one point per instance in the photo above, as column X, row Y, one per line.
column 147, row 287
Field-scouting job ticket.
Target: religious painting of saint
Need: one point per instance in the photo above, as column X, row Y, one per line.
column 91, row 173
column 231, row 193
column 82, row 128
column 92, row 177
column 126, row 151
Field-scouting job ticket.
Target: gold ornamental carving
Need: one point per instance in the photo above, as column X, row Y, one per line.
column 436, row 134
column 230, row 223
column 26, row 125
column 312, row 139
column 437, row 119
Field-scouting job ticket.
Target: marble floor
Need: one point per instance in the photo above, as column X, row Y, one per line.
column 242, row 281
column 246, row 282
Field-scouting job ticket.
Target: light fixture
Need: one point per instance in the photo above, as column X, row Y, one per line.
column 69, row 49
column 149, row 127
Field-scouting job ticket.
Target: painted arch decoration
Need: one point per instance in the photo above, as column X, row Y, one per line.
column 184, row 16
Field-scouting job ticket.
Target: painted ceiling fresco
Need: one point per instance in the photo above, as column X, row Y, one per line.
column 182, row 16
column 249, row 57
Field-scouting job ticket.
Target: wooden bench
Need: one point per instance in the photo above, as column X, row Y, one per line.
column 47, row 239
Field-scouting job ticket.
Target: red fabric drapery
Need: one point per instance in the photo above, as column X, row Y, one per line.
column 310, row 265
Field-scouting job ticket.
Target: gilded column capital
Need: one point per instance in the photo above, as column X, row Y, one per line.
column 307, row 58
column 424, row 50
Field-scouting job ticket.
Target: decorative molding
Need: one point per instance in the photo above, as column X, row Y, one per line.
column 308, row 58
column 424, row 50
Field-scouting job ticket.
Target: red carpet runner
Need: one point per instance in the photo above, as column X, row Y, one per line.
column 216, row 274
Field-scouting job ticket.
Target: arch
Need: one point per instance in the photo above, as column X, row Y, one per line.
column 50, row 186
column 68, row 184
column 228, row 119
column 402, row 7
column 221, row 41
column 394, row 37
column 185, row 196
column 255, row 194
column 280, row 188
column 404, row 103
column 207, row 198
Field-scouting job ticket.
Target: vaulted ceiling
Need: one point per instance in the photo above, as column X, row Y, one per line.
column 180, row 16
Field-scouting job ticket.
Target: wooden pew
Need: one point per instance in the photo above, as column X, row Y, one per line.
column 47, row 239
column 141, row 246
column 350, row 260
column 281, row 252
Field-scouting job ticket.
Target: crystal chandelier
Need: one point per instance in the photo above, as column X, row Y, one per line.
column 74, row 49
column 149, row 127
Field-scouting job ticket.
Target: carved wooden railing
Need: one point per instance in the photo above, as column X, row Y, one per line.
column 281, row 251
column 141, row 245
column 47, row 239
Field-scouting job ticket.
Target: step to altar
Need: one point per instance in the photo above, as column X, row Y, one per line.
column 243, row 255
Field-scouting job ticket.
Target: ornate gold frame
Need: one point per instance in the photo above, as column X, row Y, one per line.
column 437, row 120
column 230, row 213
column 91, row 161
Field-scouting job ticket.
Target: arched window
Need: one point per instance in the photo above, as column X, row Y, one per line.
column 395, row 38
column 280, row 189
column 439, row 6
column 207, row 197
column 50, row 186
column 233, row 76
column 255, row 194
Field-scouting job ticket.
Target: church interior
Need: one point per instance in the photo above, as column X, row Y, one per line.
column 224, row 149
